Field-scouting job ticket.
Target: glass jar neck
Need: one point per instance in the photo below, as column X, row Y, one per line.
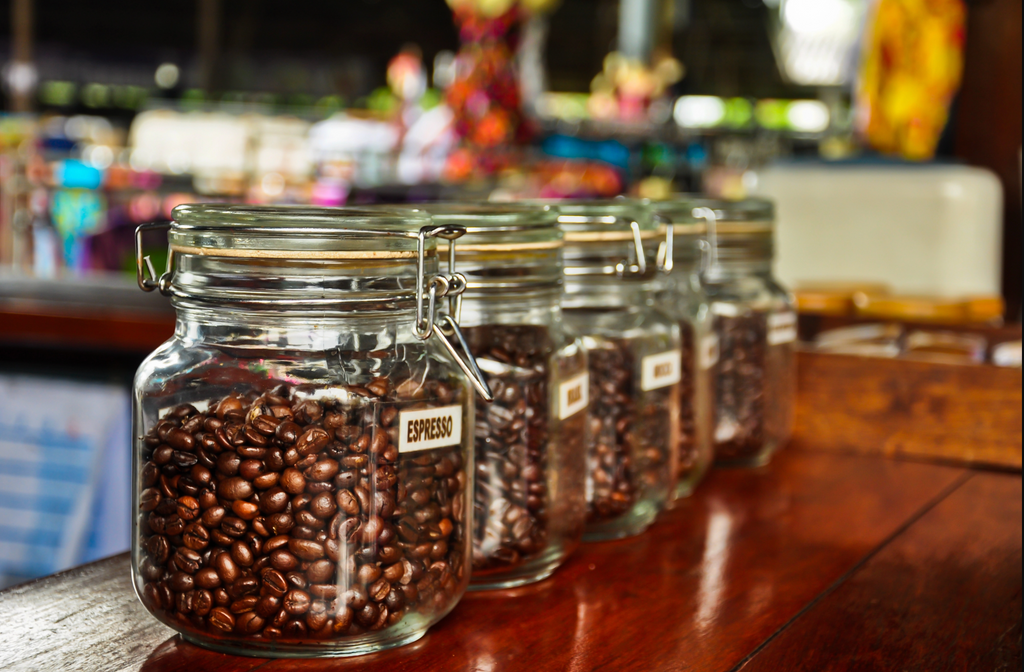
column 304, row 330
column 540, row 307
column 612, row 292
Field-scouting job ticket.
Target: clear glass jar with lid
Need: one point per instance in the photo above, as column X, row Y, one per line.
column 303, row 443
column 528, row 505
column 754, row 321
column 635, row 362
column 682, row 297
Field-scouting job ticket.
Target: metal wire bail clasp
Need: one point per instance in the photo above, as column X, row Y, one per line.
column 145, row 273
column 666, row 248
column 440, row 286
column 640, row 267
column 709, row 247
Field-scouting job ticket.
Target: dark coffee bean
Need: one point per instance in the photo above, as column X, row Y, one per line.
column 226, row 568
column 306, row 549
column 179, row 439
column 245, row 510
column 293, row 481
column 312, row 441
column 283, row 560
column 274, row 500
column 233, row 527
column 268, row 605
column 221, row 619
column 241, row 553
column 250, row 623
column 322, row 470
column 203, row 603
column 235, row 488
column 274, row 582
column 228, row 463
column 296, row 602
column 180, row 581
column 287, row 432
column 323, row 505
column 243, row 605
column 208, row 578
column 187, row 560
column 188, row 508
column 195, row 537
column 213, row 516
column 149, row 499
column 279, row 523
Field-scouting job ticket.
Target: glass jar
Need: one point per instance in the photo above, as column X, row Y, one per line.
column 682, row 297
column 528, row 505
column 635, row 362
column 753, row 318
column 303, row 451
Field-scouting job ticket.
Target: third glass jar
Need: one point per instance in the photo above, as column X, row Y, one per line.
column 528, row 503
column 682, row 297
column 635, row 368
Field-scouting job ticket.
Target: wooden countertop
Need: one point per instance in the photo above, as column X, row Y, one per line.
column 819, row 561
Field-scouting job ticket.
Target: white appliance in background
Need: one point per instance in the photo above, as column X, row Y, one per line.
column 927, row 229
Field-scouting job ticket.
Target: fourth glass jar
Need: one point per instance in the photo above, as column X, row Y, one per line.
column 634, row 351
column 753, row 327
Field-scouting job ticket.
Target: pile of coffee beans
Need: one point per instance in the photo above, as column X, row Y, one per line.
column 512, row 436
column 277, row 515
column 628, row 455
column 687, row 450
column 740, row 388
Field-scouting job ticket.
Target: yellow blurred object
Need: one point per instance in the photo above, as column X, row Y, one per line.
column 834, row 298
column 911, row 308
column 911, row 69
column 986, row 308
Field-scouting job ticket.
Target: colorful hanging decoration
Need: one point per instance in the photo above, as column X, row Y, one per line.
column 485, row 97
column 911, row 70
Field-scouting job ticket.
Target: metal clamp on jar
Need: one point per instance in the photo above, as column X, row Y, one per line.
column 303, row 443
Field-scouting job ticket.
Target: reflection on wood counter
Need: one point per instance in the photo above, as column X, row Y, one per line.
column 816, row 552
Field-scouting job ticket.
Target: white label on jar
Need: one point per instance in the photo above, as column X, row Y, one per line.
column 781, row 328
column 709, row 351
column 573, row 395
column 660, row 370
column 725, row 309
column 429, row 428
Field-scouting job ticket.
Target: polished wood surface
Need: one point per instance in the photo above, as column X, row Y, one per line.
column 945, row 595
column 713, row 580
column 896, row 407
column 120, row 330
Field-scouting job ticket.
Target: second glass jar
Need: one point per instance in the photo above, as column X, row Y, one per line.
column 635, row 363
column 529, row 496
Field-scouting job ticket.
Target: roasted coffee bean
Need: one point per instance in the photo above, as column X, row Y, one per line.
column 274, row 582
column 208, row 578
column 253, row 521
column 235, row 488
column 296, row 602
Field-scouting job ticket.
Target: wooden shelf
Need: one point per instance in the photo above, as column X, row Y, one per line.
column 817, row 562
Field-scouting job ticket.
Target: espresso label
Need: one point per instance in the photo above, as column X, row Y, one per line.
column 573, row 395
column 660, row 370
column 707, row 356
column 429, row 428
column 781, row 328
